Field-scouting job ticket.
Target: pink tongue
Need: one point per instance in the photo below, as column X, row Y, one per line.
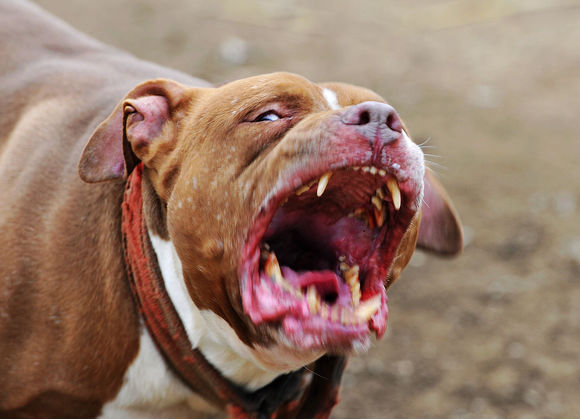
column 325, row 282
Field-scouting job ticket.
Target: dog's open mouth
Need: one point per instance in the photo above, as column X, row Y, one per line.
column 317, row 257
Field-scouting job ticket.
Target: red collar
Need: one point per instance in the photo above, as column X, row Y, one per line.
column 286, row 397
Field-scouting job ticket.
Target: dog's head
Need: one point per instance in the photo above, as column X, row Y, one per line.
column 292, row 206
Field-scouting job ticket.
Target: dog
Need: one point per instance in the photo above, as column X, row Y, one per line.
column 168, row 247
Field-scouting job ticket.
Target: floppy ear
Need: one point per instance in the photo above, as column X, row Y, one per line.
column 136, row 123
column 440, row 230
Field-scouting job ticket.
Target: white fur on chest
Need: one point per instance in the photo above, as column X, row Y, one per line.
column 150, row 386
column 150, row 389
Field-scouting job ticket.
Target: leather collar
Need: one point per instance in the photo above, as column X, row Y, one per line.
column 288, row 396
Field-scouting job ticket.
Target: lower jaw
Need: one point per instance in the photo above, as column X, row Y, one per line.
column 303, row 330
column 334, row 337
column 330, row 338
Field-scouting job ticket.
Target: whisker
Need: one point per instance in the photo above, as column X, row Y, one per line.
column 424, row 142
column 435, row 166
column 315, row 373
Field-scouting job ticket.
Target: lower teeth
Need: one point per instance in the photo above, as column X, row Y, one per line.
column 361, row 312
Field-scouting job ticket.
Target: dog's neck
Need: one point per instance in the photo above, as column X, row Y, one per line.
column 299, row 394
column 181, row 330
column 208, row 332
column 248, row 367
column 195, row 342
column 154, row 273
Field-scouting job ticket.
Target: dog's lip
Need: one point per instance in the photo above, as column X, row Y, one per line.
column 292, row 314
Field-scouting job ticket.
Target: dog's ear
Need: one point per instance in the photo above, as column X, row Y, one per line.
column 126, row 136
column 440, row 230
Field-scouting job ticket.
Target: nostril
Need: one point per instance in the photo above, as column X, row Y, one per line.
column 364, row 118
column 375, row 114
column 394, row 122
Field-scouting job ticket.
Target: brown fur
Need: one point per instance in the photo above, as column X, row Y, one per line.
column 68, row 325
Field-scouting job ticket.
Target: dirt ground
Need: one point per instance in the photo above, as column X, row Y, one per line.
column 495, row 85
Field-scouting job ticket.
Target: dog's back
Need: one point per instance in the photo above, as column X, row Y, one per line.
column 45, row 60
column 69, row 329
column 56, row 85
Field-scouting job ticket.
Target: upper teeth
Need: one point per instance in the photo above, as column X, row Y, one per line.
column 376, row 200
column 393, row 187
column 322, row 183
column 302, row 189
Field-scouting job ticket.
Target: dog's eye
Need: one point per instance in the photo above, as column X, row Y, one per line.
column 268, row 116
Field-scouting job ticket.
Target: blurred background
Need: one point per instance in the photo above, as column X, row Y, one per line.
column 495, row 86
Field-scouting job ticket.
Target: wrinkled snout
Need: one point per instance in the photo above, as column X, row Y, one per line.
column 376, row 121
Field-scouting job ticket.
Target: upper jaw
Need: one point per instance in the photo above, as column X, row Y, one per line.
column 354, row 225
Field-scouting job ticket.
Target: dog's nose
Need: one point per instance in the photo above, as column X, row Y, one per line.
column 374, row 118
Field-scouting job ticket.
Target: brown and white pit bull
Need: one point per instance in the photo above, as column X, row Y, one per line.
column 219, row 245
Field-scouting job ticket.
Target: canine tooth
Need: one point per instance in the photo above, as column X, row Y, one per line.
column 356, row 294
column 302, row 189
column 368, row 308
column 366, row 169
column 322, row 183
column 272, row 269
column 351, row 275
column 382, row 172
column 380, row 193
column 351, row 278
column 377, row 202
column 379, row 215
column 373, row 170
column 312, row 299
column 393, row 187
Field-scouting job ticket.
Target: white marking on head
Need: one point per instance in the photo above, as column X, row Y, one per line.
column 331, row 98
